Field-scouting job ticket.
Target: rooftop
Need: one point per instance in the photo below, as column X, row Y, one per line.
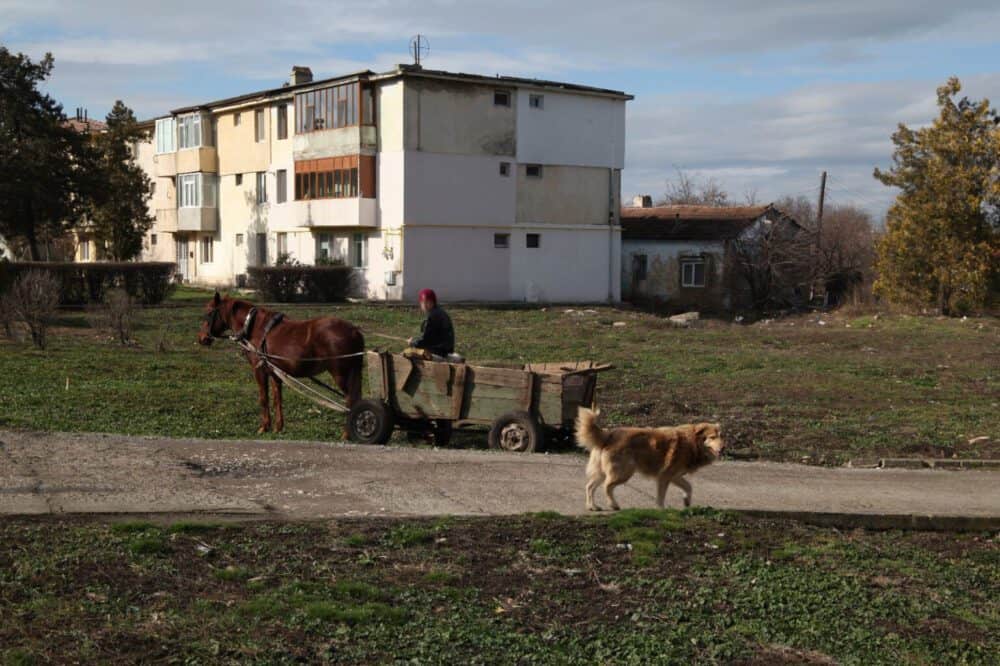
column 692, row 222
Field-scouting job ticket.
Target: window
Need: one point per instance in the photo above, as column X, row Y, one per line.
column 324, row 247
column 258, row 125
column 328, row 108
column 283, row 121
column 260, row 255
column 692, row 272
column 639, row 266
column 84, row 250
column 505, row 168
column 334, row 177
column 261, row 187
column 189, row 131
column 282, row 185
column 282, row 243
column 359, row 251
column 196, row 189
column 206, row 249
column 152, row 188
column 236, row 119
column 533, row 170
column 536, row 101
column 166, row 135
column 152, row 239
column 533, row 240
column 239, row 240
column 239, row 179
column 501, row 98
column 501, row 240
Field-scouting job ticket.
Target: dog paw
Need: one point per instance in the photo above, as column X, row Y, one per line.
column 594, row 508
column 615, row 507
column 687, row 502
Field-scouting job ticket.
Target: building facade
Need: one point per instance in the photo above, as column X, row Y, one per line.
column 483, row 188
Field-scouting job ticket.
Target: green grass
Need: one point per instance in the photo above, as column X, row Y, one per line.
column 790, row 389
column 708, row 588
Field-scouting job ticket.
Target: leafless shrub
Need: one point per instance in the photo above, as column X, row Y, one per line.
column 116, row 316
column 32, row 300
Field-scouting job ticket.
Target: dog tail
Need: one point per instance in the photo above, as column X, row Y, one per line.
column 589, row 435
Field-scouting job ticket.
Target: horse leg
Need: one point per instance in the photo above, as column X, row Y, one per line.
column 279, row 412
column 265, row 412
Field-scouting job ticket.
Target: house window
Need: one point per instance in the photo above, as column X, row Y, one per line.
column 338, row 184
column 501, row 240
column 84, row 250
column 501, row 98
column 239, row 179
column 258, row 125
column 282, row 243
column 533, row 240
column 327, row 108
column 189, row 131
column 236, row 119
column 261, row 187
column 196, row 189
column 536, row 101
column 166, row 135
column 152, row 239
column 324, row 247
column 261, row 249
column 639, row 266
column 283, row 121
column 505, row 168
column 206, row 249
column 533, row 170
column 282, row 186
column 152, row 189
column 359, row 250
column 239, row 240
column 693, row 273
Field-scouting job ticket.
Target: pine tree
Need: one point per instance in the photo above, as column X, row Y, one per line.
column 941, row 248
column 118, row 215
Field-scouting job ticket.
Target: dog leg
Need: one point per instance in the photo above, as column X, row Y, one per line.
column 595, row 476
column 662, row 482
column 609, row 486
column 684, row 485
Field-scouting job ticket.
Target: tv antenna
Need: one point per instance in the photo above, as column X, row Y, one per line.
column 419, row 48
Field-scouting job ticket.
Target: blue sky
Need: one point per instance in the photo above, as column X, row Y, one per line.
column 761, row 96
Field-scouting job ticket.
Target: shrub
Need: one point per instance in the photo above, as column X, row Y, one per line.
column 32, row 300
column 290, row 282
column 116, row 316
column 78, row 284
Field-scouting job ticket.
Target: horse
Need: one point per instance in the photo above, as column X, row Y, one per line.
column 297, row 348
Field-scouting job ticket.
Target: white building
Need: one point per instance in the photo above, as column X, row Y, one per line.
column 482, row 188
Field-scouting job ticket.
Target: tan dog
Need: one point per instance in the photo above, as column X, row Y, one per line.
column 666, row 454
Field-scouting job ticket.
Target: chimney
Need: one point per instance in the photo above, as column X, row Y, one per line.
column 300, row 75
column 642, row 201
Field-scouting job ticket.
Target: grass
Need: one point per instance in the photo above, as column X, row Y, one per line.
column 709, row 588
column 790, row 389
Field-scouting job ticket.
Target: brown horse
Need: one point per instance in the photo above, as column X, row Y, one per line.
column 298, row 348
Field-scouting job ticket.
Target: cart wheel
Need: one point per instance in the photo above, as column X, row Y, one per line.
column 442, row 433
column 516, row 431
column 370, row 422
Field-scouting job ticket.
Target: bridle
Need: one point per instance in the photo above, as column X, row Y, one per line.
column 211, row 318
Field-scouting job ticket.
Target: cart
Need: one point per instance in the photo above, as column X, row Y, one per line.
column 520, row 404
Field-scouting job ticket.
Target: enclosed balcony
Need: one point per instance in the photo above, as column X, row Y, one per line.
column 165, row 165
column 197, row 202
column 202, row 158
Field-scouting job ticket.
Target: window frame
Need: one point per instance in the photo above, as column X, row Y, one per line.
column 259, row 126
column 529, row 167
column 536, row 101
column 237, row 119
column 239, row 240
column 203, row 190
column 85, row 249
column 501, row 241
column 694, row 263
column 166, row 128
column 207, row 243
column 282, row 122
column 505, row 169
column 281, row 243
column 359, row 250
column 152, row 240
column 239, row 179
column 260, row 187
column 281, row 186
column 499, row 93
column 538, row 240
column 322, row 239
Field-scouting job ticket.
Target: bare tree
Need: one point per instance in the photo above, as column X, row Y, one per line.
column 32, row 300
column 690, row 191
column 771, row 259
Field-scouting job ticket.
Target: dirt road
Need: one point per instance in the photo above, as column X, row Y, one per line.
column 43, row 473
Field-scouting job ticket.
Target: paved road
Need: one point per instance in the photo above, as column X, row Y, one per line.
column 42, row 473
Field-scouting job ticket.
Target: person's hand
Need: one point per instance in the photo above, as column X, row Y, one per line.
column 409, row 341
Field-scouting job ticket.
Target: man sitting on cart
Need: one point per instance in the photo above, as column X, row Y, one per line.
column 436, row 333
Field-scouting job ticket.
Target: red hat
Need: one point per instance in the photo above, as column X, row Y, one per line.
column 428, row 295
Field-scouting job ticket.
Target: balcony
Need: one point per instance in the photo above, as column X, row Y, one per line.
column 334, row 142
column 166, row 220
column 197, row 218
column 352, row 212
column 204, row 159
column 165, row 164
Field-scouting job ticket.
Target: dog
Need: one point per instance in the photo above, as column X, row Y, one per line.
column 666, row 454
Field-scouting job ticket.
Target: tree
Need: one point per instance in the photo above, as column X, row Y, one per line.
column 942, row 242
column 42, row 161
column 118, row 214
column 689, row 191
column 771, row 259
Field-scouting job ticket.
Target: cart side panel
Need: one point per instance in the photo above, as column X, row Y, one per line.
column 374, row 366
column 577, row 391
column 493, row 392
column 425, row 389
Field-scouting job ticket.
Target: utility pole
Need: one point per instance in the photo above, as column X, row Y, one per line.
column 819, row 212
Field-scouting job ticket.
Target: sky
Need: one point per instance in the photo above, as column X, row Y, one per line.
column 761, row 96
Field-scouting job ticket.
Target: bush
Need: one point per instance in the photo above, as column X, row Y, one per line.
column 116, row 316
column 32, row 300
column 78, row 284
column 287, row 283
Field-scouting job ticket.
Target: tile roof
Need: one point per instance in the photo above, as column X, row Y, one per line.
column 691, row 222
column 90, row 125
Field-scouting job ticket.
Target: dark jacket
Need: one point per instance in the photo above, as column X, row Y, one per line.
column 436, row 333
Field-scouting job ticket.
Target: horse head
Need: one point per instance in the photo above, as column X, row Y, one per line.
column 215, row 322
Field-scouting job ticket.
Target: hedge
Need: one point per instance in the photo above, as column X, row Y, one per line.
column 82, row 283
column 317, row 284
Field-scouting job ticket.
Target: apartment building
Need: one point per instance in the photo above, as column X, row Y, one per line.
column 483, row 188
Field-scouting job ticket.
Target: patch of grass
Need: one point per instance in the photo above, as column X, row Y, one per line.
column 546, row 515
column 232, row 573
column 194, row 527
column 148, row 545
column 133, row 527
column 357, row 540
column 643, row 530
column 17, row 657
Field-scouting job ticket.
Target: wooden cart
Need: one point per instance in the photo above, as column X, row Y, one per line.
column 519, row 404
